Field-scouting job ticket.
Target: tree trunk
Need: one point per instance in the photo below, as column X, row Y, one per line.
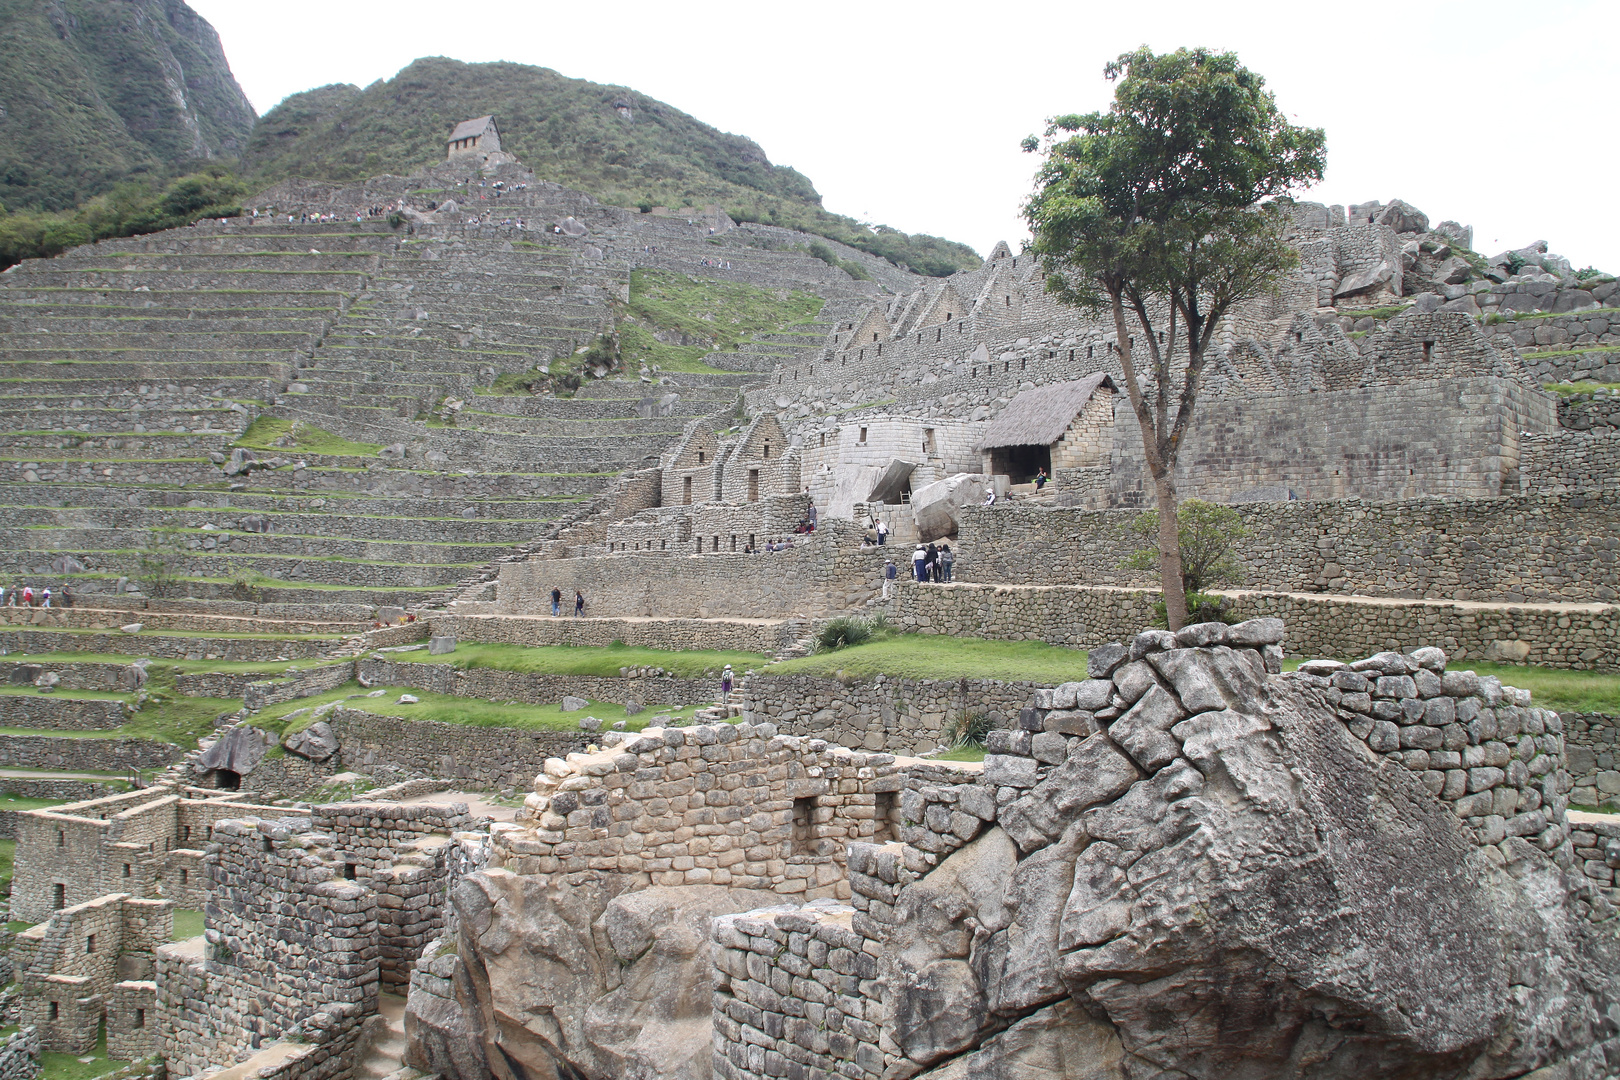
column 1175, row 592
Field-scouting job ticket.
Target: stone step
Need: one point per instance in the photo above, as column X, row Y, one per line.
column 292, row 545
column 289, row 570
column 201, row 336
column 57, row 521
column 95, row 259
column 15, row 299
column 121, row 279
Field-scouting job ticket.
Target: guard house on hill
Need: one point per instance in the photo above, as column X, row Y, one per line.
column 480, row 137
column 1058, row 428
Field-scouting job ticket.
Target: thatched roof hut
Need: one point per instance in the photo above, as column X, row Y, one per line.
column 1039, row 417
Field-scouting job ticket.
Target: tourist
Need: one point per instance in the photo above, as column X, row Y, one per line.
column 919, row 563
column 579, row 603
column 45, row 598
column 882, row 532
column 990, row 497
column 890, row 572
column 1040, row 478
column 28, row 596
column 947, row 559
column 556, row 601
column 931, row 564
column 725, row 686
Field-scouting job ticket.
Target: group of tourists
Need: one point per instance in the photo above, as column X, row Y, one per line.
column 931, row 563
column 28, row 596
column 556, row 602
column 715, row 264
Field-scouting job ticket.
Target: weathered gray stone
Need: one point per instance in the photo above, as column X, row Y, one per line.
column 1143, row 732
column 574, row 704
column 441, row 644
column 316, row 742
column 1095, row 771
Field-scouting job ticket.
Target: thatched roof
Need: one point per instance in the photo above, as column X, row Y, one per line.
column 470, row 129
column 1039, row 417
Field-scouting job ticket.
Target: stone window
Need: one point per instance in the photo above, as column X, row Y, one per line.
column 61, row 838
column 184, row 874
column 929, row 446
column 883, row 818
column 140, row 1018
column 1428, row 351
column 804, row 824
column 700, row 457
column 766, row 455
column 349, row 871
column 753, row 485
column 126, row 870
column 862, row 439
column 733, row 541
column 58, row 896
column 89, row 943
column 686, row 491
column 54, row 1011
column 823, row 438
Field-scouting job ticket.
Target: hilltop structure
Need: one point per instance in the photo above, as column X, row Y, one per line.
column 478, row 137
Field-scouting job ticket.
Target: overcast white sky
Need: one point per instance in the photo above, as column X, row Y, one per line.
column 1492, row 113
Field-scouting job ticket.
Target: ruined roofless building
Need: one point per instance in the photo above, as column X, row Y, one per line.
column 479, row 136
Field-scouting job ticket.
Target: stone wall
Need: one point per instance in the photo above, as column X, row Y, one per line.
column 85, row 754
column 1585, row 636
column 71, row 676
column 822, row 573
column 132, row 1019
column 1592, row 753
column 795, row 994
column 257, row 691
column 882, row 713
column 19, row 1055
column 395, row 748
column 538, row 688
column 248, row 650
column 1569, row 463
column 61, row 713
column 739, row 806
column 290, row 946
column 759, row 636
column 1372, row 442
column 1521, row 548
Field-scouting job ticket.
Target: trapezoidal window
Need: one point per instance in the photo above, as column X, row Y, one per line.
column 686, row 491
column 58, row 897
column 804, row 825
column 883, row 815
column 753, row 485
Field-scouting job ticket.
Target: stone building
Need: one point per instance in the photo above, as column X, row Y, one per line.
column 145, row 843
column 90, row 962
column 478, row 137
column 761, row 465
column 1066, row 426
column 692, row 469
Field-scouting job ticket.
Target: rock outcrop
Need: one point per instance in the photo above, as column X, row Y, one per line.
column 1188, row 865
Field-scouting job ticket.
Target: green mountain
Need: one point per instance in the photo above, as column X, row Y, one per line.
column 93, row 92
column 611, row 142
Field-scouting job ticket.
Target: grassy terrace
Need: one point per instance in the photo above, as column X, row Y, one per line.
column 266, row 432
column 448, row 709
column 588, row 659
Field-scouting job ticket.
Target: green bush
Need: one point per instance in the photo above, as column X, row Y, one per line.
column 1208, row 533
column 1201, row 607
column 842, row 632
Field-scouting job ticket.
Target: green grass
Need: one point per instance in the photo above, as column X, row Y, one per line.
column 588, row 659
column 717, row 315
column 12, row 801
column 936, row 656
column 54, row 1066
column 448, row 709
column 1567, row 389
column 187, row 924
column 1380, row 313
column 8, row 856
column 961, row 753
column 266, row 431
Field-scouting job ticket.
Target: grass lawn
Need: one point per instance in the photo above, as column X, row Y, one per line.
column 604, row 660
column 54, row 1066
column 187, row 924
column 936, row 656
column 447, row 709
column 9, row 801
column 263, row 433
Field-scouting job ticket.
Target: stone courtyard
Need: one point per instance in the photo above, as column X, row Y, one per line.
column 1311, row 842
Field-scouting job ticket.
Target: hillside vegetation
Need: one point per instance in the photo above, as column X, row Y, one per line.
column 95, row 92
column 569, row 131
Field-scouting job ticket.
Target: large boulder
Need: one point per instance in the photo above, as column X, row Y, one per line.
column 890, row 484
column 938, row 506
column 1403, row 217
column 579, row 980
column 315, row 743
column 1270, row 898
column 238, row 750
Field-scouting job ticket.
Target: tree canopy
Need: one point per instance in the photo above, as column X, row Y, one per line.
column 1167, row 212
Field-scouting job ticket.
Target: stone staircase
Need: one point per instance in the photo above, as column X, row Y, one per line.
column 382, row 1050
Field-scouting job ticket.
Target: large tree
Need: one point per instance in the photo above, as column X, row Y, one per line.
column 1166, row 213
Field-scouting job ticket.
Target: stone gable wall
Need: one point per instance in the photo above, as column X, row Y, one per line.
column 724, row 805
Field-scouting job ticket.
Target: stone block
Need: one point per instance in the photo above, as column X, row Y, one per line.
column 441, row 644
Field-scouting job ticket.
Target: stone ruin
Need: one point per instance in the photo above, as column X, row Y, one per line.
column 1188, row 865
